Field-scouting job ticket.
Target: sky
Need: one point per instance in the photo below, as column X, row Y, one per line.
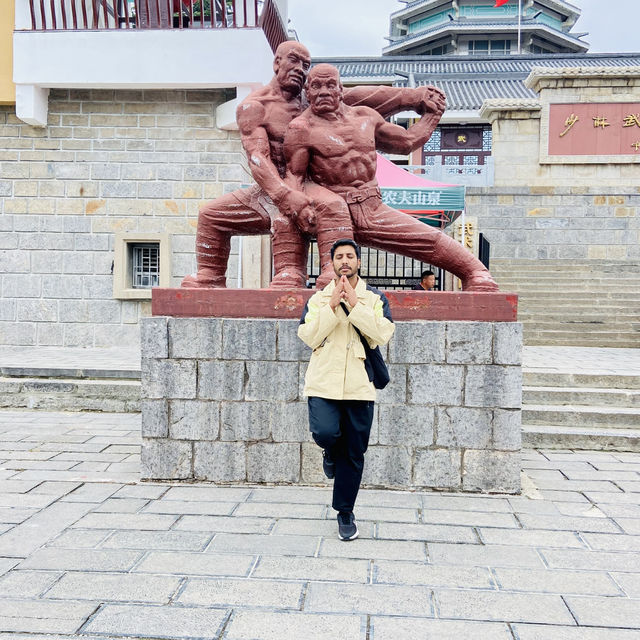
column 358, row 27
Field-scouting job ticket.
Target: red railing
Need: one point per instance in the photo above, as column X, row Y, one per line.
column 78, row 15
column 271, row 24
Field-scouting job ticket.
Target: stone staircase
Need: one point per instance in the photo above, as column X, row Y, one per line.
column 60, row 389
column 581, row 411
column 577, row 303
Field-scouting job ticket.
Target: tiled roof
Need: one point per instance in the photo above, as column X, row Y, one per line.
column 475, row 25
column 468, row 80
column 470, row 94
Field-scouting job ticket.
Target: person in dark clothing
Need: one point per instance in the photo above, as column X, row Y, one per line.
column 427, row 281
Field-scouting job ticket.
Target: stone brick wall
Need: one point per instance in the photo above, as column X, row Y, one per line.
column 108, row 161
column 559, row 223
column 222, row 401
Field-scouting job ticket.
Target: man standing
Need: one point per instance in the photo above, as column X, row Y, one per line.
column 427, row 281
column 340, row 394
column 271, row 206
column 334, row 145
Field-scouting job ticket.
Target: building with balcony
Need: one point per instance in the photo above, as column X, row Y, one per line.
column 140, row 44
column 117, row 120
column 478, row 28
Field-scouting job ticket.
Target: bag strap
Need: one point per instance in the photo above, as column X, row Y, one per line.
column 365, row 344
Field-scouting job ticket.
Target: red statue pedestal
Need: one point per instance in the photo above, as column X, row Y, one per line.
column 288, row 303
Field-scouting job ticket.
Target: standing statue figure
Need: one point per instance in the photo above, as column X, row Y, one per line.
column 334, row 145
column 272, row 205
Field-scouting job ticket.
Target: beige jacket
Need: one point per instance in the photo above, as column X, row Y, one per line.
column 336, row 369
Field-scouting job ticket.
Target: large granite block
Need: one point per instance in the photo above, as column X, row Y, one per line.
column 387, row 467
column 495, row 471
column 194, row 420
column 245, row 421
column 220, row 461
column 396, row 391
column 311, row 465
column 418, row 342
column 507, row 343
column 493, row 386
column 462, row 427
column 249, row 339
column 272, row 381
column 438, row 384
column 507, row 429
column 155, row 419
column 168, row 378
column 154, row 337
column 290, row 422
column 440, row 468
column 273, row 462
column 469, row 342
column 289, row 346
column 166, row 460
column 273, row 421
column 406, row 425
column 221, row 380
column 195, row 338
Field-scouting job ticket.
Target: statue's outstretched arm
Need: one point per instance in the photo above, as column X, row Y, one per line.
column 388, row 101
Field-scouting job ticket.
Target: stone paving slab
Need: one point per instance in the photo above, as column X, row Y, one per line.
column 551, row 632
column 242, row 593
column 157, row 622
column 394, row 628
column 249, row 625
column 100, row 556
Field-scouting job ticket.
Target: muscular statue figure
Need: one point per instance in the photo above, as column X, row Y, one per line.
column 334, row 145
column 272, row 206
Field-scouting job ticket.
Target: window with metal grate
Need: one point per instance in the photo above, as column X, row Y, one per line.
column 145, row 265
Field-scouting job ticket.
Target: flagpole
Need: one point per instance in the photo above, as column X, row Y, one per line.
column 519, row 24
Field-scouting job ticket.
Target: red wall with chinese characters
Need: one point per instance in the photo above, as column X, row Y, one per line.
column 594, row 129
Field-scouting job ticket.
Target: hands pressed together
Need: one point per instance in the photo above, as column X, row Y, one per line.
column 343, row 292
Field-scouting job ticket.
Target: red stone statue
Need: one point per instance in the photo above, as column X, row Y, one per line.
column 273, row 205
column 334, row 146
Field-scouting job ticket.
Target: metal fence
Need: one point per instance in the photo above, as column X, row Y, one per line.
column 381, row 269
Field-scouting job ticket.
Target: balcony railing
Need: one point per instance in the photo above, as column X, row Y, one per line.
column 83, row 15
column 470, row 175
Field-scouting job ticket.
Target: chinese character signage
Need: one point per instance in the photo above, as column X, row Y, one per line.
column 468, row 236
column 594, row 129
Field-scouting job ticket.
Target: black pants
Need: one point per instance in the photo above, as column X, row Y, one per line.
column 342, row 427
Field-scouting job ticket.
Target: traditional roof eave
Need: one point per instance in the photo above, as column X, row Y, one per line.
column 491, row 107
column 415, row 8
column 538, row 75
column 455, row 28
column 412, row 8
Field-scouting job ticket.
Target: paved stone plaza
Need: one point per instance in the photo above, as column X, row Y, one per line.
column 88, row 550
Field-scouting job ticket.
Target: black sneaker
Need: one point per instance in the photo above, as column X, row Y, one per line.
column 328, row 465
column 347, row 529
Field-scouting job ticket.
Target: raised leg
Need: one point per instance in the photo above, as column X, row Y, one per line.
column 236, row 213
column 385, row 228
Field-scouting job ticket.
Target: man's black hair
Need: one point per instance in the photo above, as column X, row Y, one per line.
column 339, row 243
column 426, row 273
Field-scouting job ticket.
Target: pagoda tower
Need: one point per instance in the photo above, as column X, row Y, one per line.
column 478, row 27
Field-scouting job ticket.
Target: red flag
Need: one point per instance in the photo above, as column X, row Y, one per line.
column 499, row 3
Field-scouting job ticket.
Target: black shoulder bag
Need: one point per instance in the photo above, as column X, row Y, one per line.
column 374, row 363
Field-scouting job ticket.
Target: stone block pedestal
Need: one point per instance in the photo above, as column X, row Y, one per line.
column 222, row 402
